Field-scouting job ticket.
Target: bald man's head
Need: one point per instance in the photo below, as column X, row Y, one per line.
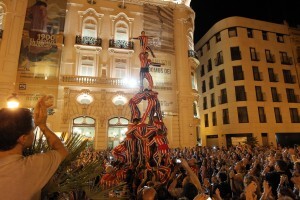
column 149, row 193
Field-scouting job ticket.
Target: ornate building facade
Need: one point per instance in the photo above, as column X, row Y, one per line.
column 85, row 56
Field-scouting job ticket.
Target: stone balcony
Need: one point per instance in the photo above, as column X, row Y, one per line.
column 72, row 80
column 193, row 57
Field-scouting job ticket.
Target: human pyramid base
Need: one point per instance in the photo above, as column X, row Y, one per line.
column 146, row 143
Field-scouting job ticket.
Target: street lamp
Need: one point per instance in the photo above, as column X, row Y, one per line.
column 13, row 101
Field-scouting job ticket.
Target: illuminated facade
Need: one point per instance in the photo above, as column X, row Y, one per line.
column 249, row 82
column 84, row 56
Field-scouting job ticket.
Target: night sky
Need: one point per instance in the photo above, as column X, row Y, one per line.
column 208, row 12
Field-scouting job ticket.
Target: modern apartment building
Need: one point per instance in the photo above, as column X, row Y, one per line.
column 84, row 55
column 248, row 82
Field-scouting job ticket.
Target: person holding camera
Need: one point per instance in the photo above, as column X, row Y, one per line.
column 273, row 177
column 191, row 185
column 24, row 177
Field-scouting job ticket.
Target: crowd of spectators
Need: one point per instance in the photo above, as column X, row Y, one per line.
column 200, row 173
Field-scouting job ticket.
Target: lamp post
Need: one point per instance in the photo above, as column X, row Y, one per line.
column 13, row 101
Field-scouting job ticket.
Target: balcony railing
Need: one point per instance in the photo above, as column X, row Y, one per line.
column 290, row 79
column 204, row 106
column 89, row 80
column 222, row 99
column 278, row 118
column 258, row 76
column 261, row 96
column 220, row 80
column 85, row 40
column 287, row 60
column 219, row 60
column 270, row 58
column 276, row 97
column 293, row 99
column 255, row 56
column 273, row 77
column 121, row 44
column 192, row 53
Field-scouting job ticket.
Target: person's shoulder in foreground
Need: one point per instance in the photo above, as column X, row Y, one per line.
column 24, row 177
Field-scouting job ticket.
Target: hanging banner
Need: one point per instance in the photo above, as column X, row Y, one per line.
column 42, row 39
column 158, row 23
column 41, row 46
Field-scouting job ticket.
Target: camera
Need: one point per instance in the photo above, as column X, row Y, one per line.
column 178, row 160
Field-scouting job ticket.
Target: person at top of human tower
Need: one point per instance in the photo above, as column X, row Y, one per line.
column 143, row 38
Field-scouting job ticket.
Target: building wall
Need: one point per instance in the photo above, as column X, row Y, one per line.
column 14, row 13
column 172, row 82
column 253, row 126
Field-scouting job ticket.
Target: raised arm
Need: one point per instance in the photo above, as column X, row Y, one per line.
column 190, row 172
column 40, row 120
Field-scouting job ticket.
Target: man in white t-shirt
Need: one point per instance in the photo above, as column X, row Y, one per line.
column 24, row 177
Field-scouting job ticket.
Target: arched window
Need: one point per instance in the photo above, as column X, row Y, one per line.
column 89, row 28
column 117, row 128
column 121, row 31
column 84, row 126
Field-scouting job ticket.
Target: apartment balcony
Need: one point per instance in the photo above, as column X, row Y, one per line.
column 287, row 60
column 90, row 81
column 270, row 58
column 261, row 96
column 121, row 46
column 219, row 60
column 278, row 119
column 277, row 97
column 273, row 77
column 263, row 118
column 293, row 99
column 204, row 106
column 212, row 103
column 258, row 76
column 89, row 41
column 192, row 54
column 220, row 80
column 222, row 99
column 255, row 56
column 290, row 79
column 193, row 57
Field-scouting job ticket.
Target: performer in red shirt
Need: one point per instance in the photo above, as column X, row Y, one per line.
column 162, row 147
column 144, row 72
column 143, row 38
column 133, row 102
column 119, row 152
column 153, row 106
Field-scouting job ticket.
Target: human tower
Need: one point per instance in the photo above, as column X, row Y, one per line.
column 146, row 142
